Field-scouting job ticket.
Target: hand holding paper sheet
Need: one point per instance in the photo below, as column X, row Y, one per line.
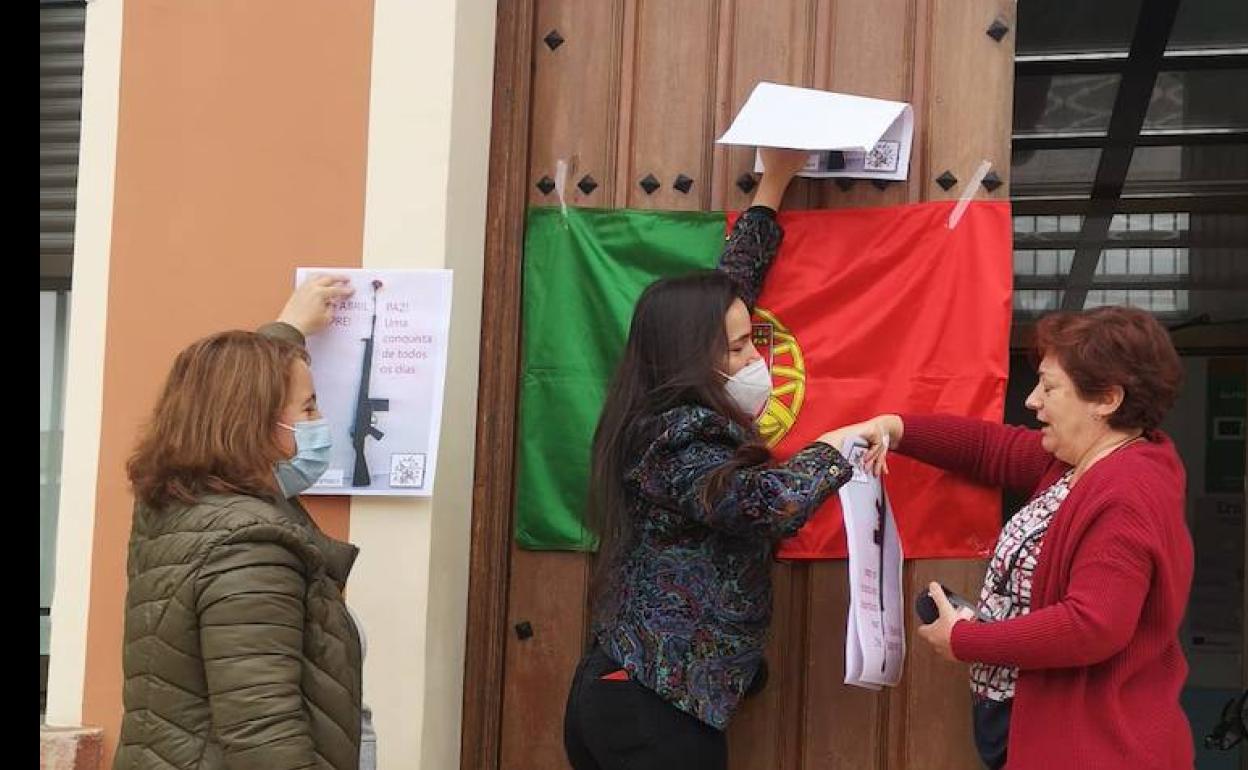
column 850, row 136
column 875, row 634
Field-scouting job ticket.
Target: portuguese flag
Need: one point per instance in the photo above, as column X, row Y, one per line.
column 864, row 311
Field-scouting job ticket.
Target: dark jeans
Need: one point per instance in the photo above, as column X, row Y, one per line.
column 613, row 725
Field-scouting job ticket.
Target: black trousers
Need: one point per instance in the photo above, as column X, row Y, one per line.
column 617, row 724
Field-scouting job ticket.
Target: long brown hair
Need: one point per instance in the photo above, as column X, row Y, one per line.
column 676, row 342
column 212, row 429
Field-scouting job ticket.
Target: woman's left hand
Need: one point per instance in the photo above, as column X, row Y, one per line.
column 880, row 432
column 779, row 166
column 782, row 163
column 939, row 633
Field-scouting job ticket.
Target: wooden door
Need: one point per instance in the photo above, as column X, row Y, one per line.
column 626, row 89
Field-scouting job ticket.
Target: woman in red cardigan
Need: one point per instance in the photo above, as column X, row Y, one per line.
column 1078, row 664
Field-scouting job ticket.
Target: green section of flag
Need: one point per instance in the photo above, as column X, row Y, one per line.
column 583, row 273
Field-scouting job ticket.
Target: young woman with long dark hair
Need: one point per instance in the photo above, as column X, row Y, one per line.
column 688, row 507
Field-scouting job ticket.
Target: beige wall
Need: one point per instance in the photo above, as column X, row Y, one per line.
column 224, row 144
column 427, row 173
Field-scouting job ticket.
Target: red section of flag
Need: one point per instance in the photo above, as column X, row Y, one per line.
column 894, row 312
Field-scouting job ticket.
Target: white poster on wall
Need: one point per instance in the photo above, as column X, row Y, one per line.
column 875, row 633
column 380, row 372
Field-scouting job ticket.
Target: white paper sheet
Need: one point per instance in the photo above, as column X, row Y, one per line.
column 408, row 371
column 849, row 136
column 875, row 638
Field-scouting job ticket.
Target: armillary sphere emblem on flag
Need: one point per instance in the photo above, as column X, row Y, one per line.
column 779, row 348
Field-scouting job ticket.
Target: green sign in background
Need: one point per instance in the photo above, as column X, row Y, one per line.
column 1228, row 413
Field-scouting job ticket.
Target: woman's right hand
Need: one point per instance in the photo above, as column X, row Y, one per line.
column 311, row 306
column 881, row 433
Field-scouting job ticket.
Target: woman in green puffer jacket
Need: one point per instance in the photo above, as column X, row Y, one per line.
column 239, row 650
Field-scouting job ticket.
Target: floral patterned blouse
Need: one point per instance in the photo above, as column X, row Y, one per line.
column 1007, row 585
column 690, row 608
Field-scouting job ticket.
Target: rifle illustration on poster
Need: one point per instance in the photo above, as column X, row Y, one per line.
column 366, row 407
column 383, row 398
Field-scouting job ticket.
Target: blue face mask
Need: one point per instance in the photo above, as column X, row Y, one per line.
column 313, row 444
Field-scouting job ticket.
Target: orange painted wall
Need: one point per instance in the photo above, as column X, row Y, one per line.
column 241, row 153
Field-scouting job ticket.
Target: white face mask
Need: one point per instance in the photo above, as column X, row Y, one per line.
column 750, row 387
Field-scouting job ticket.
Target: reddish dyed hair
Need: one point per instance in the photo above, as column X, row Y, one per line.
column 212, row 428
column 1111, row 346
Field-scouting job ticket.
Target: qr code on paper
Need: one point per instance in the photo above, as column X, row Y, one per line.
column 407, row 470
column 883, row 157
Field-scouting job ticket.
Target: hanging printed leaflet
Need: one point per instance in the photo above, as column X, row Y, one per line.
column 380, row 370
column 875, row 634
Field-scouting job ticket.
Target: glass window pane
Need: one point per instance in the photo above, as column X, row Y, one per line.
column 1188, row 169
column 53, row 322
column 1024, row 262
column 1066, row 257
column 1036, row 301
column 1199, row 99
column 1171, row 303
column 1207, row 24
column 1113, row 262
column 1045, row 229
column 1128, row 227
column 1054, row 172
column 1105, row 25
column 1062, row 104
column 1163, row 261
column 1046, row 262
column 1138, row 262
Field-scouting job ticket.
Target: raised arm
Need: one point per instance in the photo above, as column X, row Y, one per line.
column 756, row 236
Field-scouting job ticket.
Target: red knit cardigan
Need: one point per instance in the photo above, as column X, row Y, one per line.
column 1100, row 664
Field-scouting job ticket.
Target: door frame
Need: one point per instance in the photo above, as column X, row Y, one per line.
column 494, row 471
